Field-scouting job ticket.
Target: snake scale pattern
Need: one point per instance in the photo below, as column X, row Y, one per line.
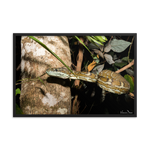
column 106, row 79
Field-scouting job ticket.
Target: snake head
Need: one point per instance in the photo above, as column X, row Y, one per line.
column 58, row 72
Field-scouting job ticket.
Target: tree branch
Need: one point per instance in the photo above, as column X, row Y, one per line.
column 126, row 67
column 78, row 68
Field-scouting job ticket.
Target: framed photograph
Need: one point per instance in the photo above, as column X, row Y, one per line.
column 74, row 75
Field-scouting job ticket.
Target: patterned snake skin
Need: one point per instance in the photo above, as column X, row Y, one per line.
column 106, row 79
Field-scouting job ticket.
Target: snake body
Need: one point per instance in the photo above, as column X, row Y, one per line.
column 106, row 79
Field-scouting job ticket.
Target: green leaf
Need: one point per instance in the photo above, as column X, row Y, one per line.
column 126, row 59
column 121, row 64
column 115, row 68
column 18, row 110
column 94, row 46
column 98, row 69
column 93, row 40
column 129, row 79
column 109, row 59
column 100, row 38
column 83, row 44
column 104, row 37
column 18, row 91
column 119, row 45
column 96, row 60
column 41, row 80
